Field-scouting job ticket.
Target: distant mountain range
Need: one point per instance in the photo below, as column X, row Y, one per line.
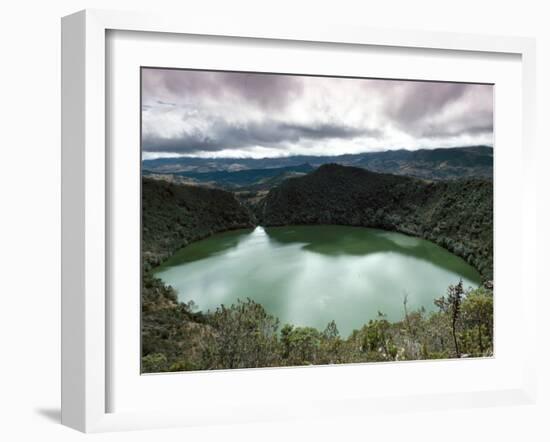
column 251, row 179
column 264, row 173
column 456, row 214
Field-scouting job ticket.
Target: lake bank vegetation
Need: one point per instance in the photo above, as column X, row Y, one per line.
column 244, row 335
column 175, row 215
column 456, row 215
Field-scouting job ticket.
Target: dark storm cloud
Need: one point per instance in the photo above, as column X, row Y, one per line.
column 226, row 113
column 418, row 108
column 164, row 103
column 420, row 99
column 451, row 132
column 273, row 134
column 324, row 131
column 265, row 90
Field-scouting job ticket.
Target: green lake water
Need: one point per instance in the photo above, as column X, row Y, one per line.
column 310, row 275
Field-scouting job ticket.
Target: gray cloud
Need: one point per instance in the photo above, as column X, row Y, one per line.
column 478, row 123
column 416, row 100
column 265, row 90
column 164, row 103
column 270, row 133
column 204, row 112
column 440, row 110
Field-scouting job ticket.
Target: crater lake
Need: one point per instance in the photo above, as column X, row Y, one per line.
column 310, row 275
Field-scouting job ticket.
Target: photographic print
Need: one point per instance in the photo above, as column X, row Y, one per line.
column 295, row 220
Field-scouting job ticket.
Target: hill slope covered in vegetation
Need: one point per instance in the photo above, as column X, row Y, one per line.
column 433, row 164
column 175, row 215
column 457, row 215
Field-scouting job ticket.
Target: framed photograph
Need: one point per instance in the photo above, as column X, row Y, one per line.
column 276, row 222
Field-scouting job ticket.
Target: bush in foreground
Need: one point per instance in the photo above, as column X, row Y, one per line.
column 244, row 335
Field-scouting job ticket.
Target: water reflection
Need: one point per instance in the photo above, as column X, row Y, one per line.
column 358, row 241
column 206, row 248
column 309, row 275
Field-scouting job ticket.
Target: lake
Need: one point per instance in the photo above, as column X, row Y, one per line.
column 310, row 275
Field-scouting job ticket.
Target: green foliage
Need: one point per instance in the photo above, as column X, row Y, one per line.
column 245, row 336
column 450, row 305
column 154, row 362
column 477, row 312
column 377, row 341
column 457, row 215
column 432, row 164
column 301, row 345
column 331, row 347
column 174, row 215
column 155, row 294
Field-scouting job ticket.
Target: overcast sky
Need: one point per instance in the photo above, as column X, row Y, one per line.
column 225, row 114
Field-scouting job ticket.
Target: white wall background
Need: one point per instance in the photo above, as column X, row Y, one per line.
column 30, row 215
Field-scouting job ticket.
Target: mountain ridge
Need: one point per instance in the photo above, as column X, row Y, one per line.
column 457, row 215
column 454, row 214
column 435, row 164
column 251, row 179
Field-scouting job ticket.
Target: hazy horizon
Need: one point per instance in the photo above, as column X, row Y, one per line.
column 214, row 114
column 148, row 156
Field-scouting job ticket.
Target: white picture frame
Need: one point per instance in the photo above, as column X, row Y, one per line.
column 86, row 317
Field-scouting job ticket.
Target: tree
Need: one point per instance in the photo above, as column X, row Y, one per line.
column 301, row 345
column 477, row 311
column 286, row 332
column 377, row 341
column 331, row 331
column 331, row 344
column 246, row 336
column 154, row 363
column 407, row 320
column 451, row 306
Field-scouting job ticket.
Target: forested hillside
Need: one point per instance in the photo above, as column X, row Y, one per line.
column 433, row 164
column 457, row 215
column 244, row 335
column 175, row 215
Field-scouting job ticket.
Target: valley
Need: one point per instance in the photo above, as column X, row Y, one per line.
column 454, row 214
column 262, row 174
